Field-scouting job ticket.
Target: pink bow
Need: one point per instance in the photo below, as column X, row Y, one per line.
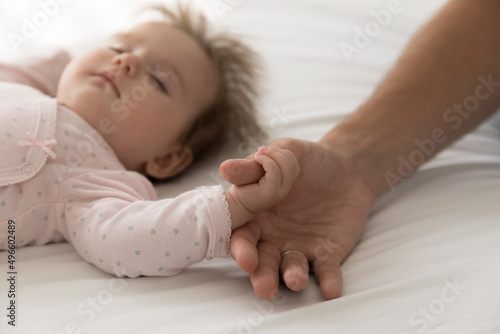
column 43, row 145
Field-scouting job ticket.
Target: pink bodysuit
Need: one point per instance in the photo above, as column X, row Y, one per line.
column 59, row 180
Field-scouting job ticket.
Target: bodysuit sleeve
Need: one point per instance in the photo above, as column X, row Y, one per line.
column 113, row 226
column 40, row 73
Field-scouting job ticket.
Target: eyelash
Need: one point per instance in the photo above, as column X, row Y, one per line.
column 155, row 79
column 158, row 81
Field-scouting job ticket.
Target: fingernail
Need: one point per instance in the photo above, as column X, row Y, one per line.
column 293, row 284
column 262, row 149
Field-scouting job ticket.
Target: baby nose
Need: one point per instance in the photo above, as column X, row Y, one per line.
column 127, row 63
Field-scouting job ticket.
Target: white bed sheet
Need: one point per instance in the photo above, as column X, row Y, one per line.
column 427, row 263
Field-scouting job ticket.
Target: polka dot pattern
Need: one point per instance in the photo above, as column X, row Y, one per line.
column 109, row 215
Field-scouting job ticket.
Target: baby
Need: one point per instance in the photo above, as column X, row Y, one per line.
column 75, row 166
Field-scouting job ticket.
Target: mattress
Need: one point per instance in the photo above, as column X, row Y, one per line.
column 428, row 262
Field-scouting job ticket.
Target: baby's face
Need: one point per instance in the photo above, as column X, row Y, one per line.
column 142, row 92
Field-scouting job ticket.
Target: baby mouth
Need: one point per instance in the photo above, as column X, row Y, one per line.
column 110, row 78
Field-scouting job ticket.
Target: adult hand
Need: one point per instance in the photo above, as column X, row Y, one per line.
column 323, row 217
column 325, row 212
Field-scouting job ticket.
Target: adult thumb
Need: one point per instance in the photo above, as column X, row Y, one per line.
column 241, row 171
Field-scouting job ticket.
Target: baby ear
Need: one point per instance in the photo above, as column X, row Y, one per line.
column 170, row 164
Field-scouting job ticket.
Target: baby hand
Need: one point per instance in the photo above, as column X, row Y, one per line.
column 280, row 171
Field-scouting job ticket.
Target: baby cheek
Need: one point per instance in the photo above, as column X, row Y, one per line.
column 159, row 123
column 156, row 133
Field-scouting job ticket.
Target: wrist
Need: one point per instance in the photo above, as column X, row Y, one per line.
column 358, row 148
column 238, row 212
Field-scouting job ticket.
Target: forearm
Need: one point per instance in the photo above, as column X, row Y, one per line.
column 123, row 234
column 446, row 83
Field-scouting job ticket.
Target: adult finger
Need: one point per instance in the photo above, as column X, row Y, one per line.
column 244, row 246
column 265, row 280
column 295, row 271
column 329, row 276
column 241, row 171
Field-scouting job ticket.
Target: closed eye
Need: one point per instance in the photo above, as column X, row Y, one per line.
column 158, row 82
column 155, row 78
column 117, row 50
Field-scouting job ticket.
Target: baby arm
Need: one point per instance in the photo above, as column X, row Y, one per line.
column 40, row 73
column 113, row 222
column 281, row 169
column 107, row 218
